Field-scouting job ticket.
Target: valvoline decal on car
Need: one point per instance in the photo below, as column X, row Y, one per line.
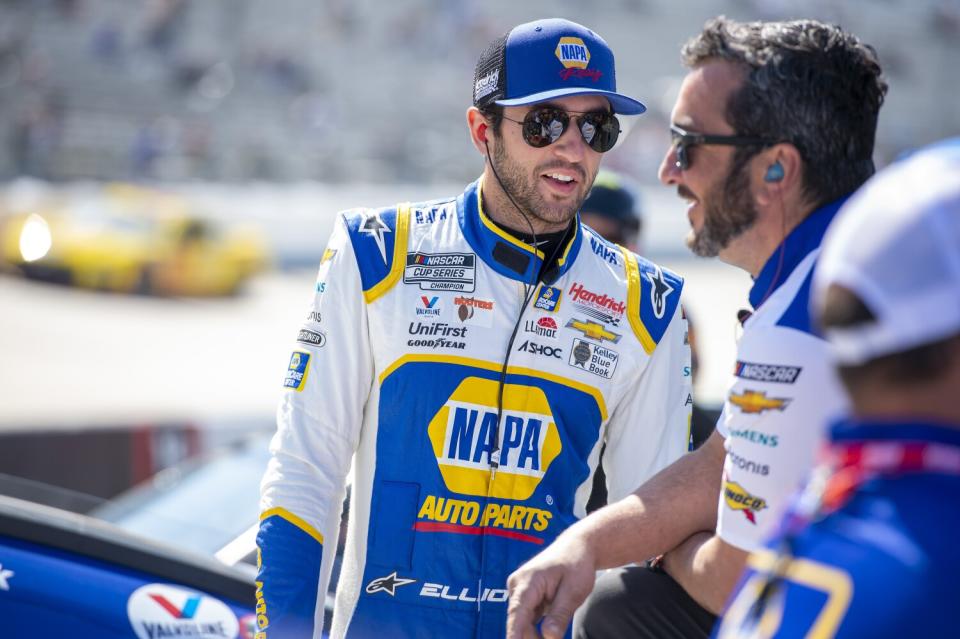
column 462, row 433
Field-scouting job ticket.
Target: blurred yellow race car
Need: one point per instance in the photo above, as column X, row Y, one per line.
column 131, row 240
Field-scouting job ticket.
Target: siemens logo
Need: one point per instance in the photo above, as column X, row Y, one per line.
column 756, row 437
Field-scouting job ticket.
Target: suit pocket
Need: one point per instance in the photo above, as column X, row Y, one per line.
column 392, row 518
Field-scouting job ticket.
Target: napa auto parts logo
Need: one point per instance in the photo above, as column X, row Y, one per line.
column 575, row 56
column 159, row 610
column 462, row 433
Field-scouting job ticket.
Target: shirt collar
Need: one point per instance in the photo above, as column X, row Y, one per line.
column 805, row 238
column 503, row 252
column 896, row 430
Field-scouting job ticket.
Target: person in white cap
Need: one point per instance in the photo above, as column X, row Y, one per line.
column 870, row 549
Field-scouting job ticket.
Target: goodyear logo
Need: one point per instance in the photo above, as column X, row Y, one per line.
column 737, row 498
column 297, row 371
column 572, row 53
column 752, row 402
column 462, row 433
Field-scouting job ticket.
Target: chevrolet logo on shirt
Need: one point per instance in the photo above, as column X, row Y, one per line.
column 752, row 402
column 593, row 330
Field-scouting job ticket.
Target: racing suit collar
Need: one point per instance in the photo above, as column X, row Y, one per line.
column 805, row 238
column 897, row 430
column 504, row 253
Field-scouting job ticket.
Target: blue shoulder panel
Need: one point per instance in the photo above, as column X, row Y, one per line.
column 659, row 296
column 373, row 235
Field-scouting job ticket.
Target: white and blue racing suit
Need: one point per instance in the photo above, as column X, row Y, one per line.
column 397, row 369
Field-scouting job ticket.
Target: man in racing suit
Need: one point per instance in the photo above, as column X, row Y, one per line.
column 471, row 370
column 773, row 128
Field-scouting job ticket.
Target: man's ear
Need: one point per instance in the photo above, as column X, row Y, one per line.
column 479, row 128
column 778, row 171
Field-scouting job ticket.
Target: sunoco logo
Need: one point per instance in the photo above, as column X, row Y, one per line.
column 462, row 433
column 737, row 498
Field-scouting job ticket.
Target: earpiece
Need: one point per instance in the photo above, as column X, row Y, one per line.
column 774, row 172
column 482, row 132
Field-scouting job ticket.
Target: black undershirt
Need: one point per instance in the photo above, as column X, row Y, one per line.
column 550, row 244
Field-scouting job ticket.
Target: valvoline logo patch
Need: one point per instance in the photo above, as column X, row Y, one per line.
column 462, row 433
column 572, row 53
column 165, row 610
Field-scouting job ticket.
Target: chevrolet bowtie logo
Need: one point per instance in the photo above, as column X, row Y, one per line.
column 754, row 402
column 387, row 584
column 593, row 330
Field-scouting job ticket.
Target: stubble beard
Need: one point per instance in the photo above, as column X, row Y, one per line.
column 523, row 190
column 728, row 212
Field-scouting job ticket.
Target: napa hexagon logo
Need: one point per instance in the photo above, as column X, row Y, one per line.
column 572, row 53
column 462, row 433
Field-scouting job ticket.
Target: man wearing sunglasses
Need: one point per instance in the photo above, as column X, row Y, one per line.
column 773, row 129
column 471, row 356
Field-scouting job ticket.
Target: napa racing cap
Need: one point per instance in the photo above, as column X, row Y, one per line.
column 547, row 59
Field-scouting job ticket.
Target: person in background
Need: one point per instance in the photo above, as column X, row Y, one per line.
column 773, row 129
column 870, row 548
column 613, row 210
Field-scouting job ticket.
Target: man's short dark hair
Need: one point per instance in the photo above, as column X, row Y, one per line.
column 808, row 83
column 918, row 365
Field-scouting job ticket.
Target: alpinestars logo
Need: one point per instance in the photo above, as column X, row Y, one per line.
column 388, row 584
column 659, row 291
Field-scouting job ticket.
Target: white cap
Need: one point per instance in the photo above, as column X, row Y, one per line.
column 896, row 245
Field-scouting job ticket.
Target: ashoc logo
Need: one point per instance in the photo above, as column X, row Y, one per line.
column 463, row 430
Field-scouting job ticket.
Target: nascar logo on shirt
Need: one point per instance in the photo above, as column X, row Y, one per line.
column 462, row 433
column 767, row 372
column 737, row 498
column 441, row 271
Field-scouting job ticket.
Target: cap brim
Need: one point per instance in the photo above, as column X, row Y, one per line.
column 621, row 104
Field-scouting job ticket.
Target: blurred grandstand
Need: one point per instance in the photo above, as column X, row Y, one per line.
column 366, row 91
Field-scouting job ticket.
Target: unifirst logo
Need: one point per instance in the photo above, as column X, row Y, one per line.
column 462, row 433
column 572, row 53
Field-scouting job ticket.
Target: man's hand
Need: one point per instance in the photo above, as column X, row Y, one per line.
column 551, row 586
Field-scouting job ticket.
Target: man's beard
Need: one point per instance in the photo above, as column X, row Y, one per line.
column 524, row 192
column 728, row 211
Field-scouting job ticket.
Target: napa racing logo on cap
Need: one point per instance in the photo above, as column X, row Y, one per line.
column 297, row 371
column 572, row 53
column 462, row 433
column 160, row 610
column 548, row 299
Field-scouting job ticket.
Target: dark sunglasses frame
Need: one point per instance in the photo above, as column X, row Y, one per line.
column 683, row 140
column 543, row 126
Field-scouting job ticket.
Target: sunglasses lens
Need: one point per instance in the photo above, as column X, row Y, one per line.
column 600, row 131
column 544, row 126
column 683, row 159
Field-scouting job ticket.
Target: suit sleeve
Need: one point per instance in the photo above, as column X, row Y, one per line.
column 327, row 382
column 650, row 428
